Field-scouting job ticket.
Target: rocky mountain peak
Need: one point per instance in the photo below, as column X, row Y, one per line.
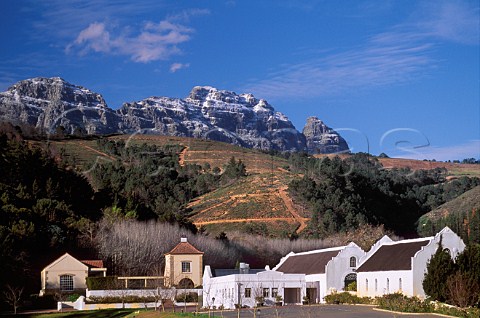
column 207, row 112
column 322, row 139
column 56, row 89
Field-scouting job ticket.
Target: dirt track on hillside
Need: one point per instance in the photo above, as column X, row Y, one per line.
column 290, row 220
column 97, row 151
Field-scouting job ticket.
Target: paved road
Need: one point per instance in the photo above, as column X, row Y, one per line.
column 323, row 311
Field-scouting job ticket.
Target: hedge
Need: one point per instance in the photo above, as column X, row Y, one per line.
column 102, row 283
column 188, row 298
column 346, row 298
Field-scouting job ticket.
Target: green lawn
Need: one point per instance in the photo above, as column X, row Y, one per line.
column 113, row 313
column 104, row 313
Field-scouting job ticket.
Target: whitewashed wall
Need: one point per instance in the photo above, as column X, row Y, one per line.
column 382, row 288
column 450, row 240
column 225, row 288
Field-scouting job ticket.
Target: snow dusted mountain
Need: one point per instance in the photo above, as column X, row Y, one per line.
column 47, row 103
column 214, row 114
column 207, row 112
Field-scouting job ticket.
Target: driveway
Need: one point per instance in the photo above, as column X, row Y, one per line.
column 323, row 311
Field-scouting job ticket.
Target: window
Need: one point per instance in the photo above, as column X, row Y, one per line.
column 376, row 285
column 266, row 292
column 353, row 261
column 366, row 285
column 274, row 292
column 66, row 283
column 400, row 284
column 186, row 267
column 248, row 292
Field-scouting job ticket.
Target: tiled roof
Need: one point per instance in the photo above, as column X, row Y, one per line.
column 184, row 248
column 313, row 263
column 393, row 257
column 93, row 263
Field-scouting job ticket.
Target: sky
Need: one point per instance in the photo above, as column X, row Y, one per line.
column 400, row 77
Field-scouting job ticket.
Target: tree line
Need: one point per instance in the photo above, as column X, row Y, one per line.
column 346, row 194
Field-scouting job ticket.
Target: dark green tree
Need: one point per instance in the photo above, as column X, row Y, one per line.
column 439, row 268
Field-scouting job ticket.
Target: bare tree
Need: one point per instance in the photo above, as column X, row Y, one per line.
column 13, row 296
column 60, row 297
column 463, row 292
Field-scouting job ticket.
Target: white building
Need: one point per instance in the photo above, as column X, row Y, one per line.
column 400, row 266
column 228, row 287
column 326, row 270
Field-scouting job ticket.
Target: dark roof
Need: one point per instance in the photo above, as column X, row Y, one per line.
column 394, row 257
column 93, row 263
column 226, row 272
column 184, row 248
column 307, row 263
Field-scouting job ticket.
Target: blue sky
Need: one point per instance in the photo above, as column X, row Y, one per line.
column 400, row 77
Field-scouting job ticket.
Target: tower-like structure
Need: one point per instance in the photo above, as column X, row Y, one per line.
column 184, row 266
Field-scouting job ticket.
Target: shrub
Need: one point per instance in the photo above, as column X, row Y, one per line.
column 346, row 298
column 458, row 312
column 119, row 299
column 72, row 297
column 102, row 283
column 352, row 286
column 400, row 302
column 187, row 297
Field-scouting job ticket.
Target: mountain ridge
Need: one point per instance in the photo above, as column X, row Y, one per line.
column 207, row 112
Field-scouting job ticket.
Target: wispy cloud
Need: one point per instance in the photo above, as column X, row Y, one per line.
column 459, row 152
column 99, row 26
column 155, row 41
column 402, row 54
column 178, row 66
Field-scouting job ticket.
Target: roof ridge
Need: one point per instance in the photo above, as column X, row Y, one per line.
column 184, row 248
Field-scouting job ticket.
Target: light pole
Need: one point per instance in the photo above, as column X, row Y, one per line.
column 213, row 305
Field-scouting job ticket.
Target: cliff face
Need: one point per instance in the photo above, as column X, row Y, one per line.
column 47, row 103
column 207, row 112
column 322, row 139
column 213, row 114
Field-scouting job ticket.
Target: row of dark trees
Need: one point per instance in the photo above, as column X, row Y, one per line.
column 345, row 194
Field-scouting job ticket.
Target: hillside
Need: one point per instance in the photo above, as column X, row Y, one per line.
column 461, row 214
column 259, row 203
column 454, row 170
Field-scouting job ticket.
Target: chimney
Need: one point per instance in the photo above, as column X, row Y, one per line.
column 244, row 268
column 183, row 240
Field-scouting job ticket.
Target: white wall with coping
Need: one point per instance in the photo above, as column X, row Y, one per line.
column 80, row 304
column 140, row 292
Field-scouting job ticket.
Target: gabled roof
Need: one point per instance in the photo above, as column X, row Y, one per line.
column 184, row 248
column 62, row 258
column 394, row 256
column 313, row 262
column 96, row 263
